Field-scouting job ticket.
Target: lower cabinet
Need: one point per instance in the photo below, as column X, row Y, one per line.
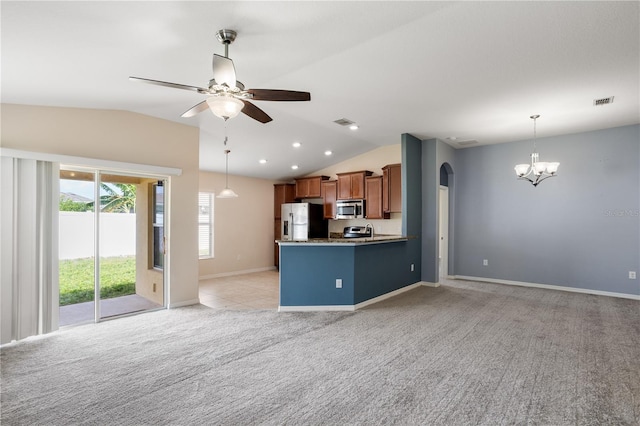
column 276, row 249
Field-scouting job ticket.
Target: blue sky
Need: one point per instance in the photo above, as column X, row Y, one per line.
column 79, row 187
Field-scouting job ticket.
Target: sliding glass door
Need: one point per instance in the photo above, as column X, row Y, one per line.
column 121, row 258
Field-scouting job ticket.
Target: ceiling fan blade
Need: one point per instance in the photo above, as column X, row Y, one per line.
column 202, row 106
column 254, row 112
column 223, row 71
column 279, row 95
column 166, row 84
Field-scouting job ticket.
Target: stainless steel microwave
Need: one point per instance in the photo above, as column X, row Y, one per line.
column 349, row 209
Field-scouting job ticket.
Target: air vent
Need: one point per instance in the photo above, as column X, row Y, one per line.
column 343, row 122
column 467, row 143
column 603, row 101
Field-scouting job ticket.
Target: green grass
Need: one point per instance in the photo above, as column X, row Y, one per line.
column 117, row 278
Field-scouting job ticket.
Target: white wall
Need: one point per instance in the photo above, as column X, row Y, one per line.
column 126, row 137
column 117, row 234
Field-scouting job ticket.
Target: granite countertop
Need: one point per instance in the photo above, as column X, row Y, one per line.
column 376, row 239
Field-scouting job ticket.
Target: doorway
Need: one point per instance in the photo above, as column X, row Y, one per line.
column 112, row 244
column 445, row 221
column 443, row 257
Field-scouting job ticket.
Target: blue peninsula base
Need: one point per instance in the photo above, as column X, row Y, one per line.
column 368, row 272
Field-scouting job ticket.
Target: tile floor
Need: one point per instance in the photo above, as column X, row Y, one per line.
column 259, row 290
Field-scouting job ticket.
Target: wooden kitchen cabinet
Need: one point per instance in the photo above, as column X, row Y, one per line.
column 282, row 193
column 373, row 193
column 309, row 187
column 392, row 188
column 329, row 197
column 351, row 186
column 276, row 250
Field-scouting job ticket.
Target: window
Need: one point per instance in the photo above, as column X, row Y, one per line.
column 157, row 220
column 205, row 225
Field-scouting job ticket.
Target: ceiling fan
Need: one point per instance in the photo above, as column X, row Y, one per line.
column 227, row 97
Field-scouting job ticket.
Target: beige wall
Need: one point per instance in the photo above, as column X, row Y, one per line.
column 243, row 226
column 374, row 161
column 127, row 137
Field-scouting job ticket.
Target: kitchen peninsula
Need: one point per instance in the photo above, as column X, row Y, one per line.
column 344, row 273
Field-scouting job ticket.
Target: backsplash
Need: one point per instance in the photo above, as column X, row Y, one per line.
column 391, row 226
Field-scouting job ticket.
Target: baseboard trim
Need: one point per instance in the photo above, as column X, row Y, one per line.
column 242, row 272
column 312, row 308
column 549, row 287
column 185, row 303
column 355, row 307
column 428, row 284
column 387, row 295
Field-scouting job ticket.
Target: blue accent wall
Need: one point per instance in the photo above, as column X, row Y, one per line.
column 580, row 229
column 430, row 177
column 412, row 200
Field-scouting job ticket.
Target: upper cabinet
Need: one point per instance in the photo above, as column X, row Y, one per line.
column 392, row 188
column 351, row 186
column 373, row 206
column 282, row 193
column 309, row 187
column 329, row 192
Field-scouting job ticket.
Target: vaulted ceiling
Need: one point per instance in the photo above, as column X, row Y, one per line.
column 469, row 73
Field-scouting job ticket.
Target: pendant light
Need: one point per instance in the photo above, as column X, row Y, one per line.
column 537, row 171
column 227, row 192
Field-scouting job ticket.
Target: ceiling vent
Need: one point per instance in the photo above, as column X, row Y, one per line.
column 344, row 122
column 603, row 101
column 467, row 143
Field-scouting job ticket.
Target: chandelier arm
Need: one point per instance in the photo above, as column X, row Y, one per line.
column 544, row 178
column 526, row 178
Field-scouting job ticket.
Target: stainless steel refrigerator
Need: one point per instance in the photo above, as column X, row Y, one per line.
column 301, row 221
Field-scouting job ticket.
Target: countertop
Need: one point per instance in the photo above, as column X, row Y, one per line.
column 377, row 239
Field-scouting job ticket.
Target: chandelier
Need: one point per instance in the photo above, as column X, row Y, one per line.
column 538, row 170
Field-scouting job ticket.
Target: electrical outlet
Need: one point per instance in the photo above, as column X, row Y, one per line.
column 338, row 283
column 632, row 275
column 485, row 262
column 413, row 267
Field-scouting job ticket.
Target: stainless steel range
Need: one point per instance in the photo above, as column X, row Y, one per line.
column 357, row 232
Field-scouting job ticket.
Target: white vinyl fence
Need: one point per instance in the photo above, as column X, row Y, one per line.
column 117, row 234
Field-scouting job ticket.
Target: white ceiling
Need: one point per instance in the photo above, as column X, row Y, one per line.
column 470, row 70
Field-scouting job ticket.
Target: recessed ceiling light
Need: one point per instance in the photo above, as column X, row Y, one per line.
column 452, row 138
column 296, row 144
column 294, row 167
column 262, row 161
column 328, row 153
column 354, row 126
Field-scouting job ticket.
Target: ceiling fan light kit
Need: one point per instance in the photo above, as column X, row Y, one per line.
column 225, row 107
column 538, row 170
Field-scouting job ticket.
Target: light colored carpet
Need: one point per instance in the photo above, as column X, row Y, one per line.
column 462, row 354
